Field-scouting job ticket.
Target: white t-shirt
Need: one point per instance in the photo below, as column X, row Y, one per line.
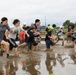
column 13, row 35
column 60, row 32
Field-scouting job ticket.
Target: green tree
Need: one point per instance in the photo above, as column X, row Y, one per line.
column 75, row 24
column 66, row 23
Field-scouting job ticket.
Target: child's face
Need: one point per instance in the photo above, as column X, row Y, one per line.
column 38, row 23
column 5, row 22
column 62, row 28
column 17, row 24
column 34, row 30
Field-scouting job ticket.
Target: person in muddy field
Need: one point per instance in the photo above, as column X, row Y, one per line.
column 70, row 31
column 24, row 25
column 3, row 27
column 38, row 30
column 49, row 39
column 54, row 29
column 26, row 36
column 22, row 36
column 31, row 39
column 71, row 36
column 11, row 37
column 37, row 36
column 37, row 24
column 59, row 34
column 71, row 26
column 71, row 44
column 47, row 28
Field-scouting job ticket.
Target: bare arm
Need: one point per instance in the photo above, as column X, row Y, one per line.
column 6, row 34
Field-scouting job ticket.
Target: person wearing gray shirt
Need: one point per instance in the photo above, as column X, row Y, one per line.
column 3, row 27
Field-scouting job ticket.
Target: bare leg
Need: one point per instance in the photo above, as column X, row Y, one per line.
column 21, row 45
column 16, row 52
column 63, row 42
column 6, row 44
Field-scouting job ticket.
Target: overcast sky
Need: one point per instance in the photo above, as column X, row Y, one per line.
column 56, row 11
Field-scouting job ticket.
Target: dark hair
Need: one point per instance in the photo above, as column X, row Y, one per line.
column 26, row 28
column 37, row 20
column 32, row 27
column 4, row 19
column 48, row 24
column 16, row 21
column 54, row 25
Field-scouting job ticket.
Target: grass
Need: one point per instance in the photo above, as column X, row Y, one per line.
column 57, row 29
column 65, row 30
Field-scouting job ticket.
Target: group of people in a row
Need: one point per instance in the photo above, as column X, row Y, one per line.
column 29, row 35
column 53, row 36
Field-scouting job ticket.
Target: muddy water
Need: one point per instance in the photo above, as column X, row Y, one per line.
column 57, row 62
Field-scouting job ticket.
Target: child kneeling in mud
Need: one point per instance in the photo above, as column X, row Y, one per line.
column 31, row 39
column 49, row 39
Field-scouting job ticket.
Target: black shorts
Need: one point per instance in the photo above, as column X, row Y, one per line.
column 22, row 41
column 26, row 40
column 12, row 43
column 69, row 36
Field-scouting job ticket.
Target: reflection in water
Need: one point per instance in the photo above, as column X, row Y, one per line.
column 61, row 61
column 50, row 62
column 28, row 65
column 73, row 56
column 33, row 64
column 1, row 69
column 11, row 67
column 24, row 65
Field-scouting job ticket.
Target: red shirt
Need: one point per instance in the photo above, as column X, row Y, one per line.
column 22, row 35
